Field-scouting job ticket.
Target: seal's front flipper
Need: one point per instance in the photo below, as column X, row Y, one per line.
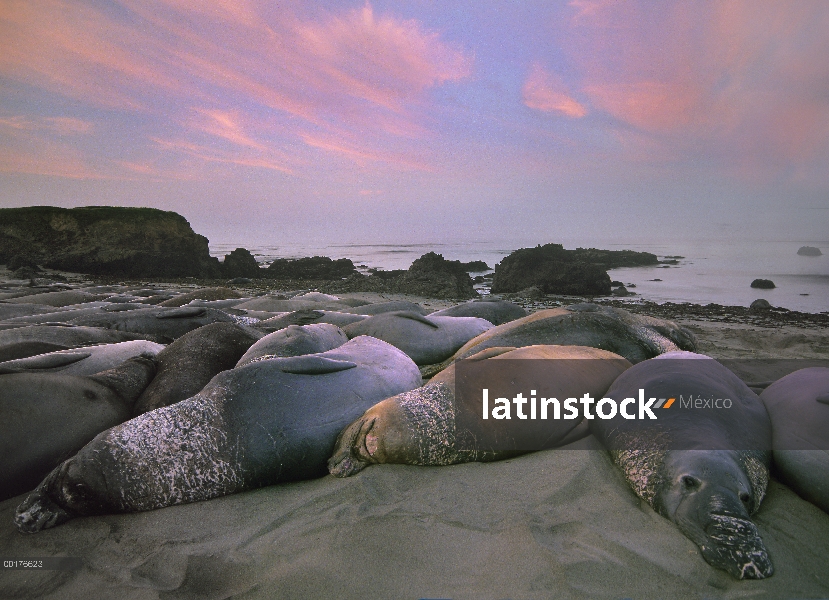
column 313, row 365
column 44, row 361
column 409, row 314
column 823, row 399
column 182, row 313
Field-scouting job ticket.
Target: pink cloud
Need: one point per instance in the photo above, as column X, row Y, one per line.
column 240, row 73
column 733, row 81
column 546, row 92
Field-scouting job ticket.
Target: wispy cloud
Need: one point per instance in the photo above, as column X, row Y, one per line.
column 738, row 82
column 546, row 91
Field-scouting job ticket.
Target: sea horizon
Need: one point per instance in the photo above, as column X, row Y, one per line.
column 708, row 272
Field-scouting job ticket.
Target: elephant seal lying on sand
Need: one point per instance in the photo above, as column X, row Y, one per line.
column 434, row 426
column 270, row 421
column 702, row 461
column 47, row 417
column 798, row 406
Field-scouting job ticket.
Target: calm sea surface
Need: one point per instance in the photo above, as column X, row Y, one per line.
column 708, row 272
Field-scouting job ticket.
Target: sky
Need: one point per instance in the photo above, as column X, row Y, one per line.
column 419, row 121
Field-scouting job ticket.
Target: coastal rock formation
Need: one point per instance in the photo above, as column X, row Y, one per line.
column 809, row 251
column 763, row 284
column 760, row 304
column 433, row 276
column 240, row 263
column 430, row 275
column 553, row 270
column 314, row 267
column 105, row 240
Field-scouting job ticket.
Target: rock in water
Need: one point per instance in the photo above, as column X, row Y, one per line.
column 763, row 284
column 270, row 421
column 809, row 251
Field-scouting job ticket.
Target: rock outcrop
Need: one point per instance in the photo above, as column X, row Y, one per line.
column 763, row 284
column 809, row 251
column 433, row 276
column 240, row 263
column 430, row 275
column 106, row 240
column 553, row 270
column 314, row 267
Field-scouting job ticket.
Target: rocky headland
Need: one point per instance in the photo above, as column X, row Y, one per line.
column 105, row 240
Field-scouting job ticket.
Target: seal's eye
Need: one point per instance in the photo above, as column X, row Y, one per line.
column 745, row 497
column 689, row 483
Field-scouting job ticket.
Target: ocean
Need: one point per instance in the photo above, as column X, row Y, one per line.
column 708, row 272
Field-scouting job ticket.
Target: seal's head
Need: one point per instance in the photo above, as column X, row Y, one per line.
column 381, row 435
column 710, row 495
column 67, row 492
column 413, row 428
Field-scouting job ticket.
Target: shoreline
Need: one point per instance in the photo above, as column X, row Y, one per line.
column 723, row 332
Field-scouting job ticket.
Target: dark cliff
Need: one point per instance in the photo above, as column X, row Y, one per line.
column 106, row 240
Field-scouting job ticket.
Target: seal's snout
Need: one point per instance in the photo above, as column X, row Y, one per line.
column 348, row 458
column 38, row 512
column 734, row 545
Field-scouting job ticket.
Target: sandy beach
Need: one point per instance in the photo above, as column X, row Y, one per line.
column 560, row 523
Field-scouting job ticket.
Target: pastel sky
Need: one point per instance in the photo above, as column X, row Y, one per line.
column 424, row 120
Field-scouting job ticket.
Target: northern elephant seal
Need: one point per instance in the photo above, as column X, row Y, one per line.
column 426, row 339
column 296, row 340
column 270, row 421
column 798, row 406
column 496, row 312
column 190, row 362
column 377, row 308
column 307, row 317
column 433, row 425
column 161, row 324
column 47, row 417
column 82, row 361
column 30, row 340
column 702, row 460
column 219, row 293
column 636, row 337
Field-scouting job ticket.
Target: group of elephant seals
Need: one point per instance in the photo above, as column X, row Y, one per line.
column 704, row 466
column 189, row 363
column 426, row 339
column 798, row 405
column 163, row 325
column 32, row 340
column 270, row 421
column 309, row 316
column 296, row 340
column 433, row 425
column 47, row 417
column 616, row 330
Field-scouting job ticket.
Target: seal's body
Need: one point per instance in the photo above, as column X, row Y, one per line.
column 270, row 421
column 798, row 406
column 434, row 426
column 704, row 468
